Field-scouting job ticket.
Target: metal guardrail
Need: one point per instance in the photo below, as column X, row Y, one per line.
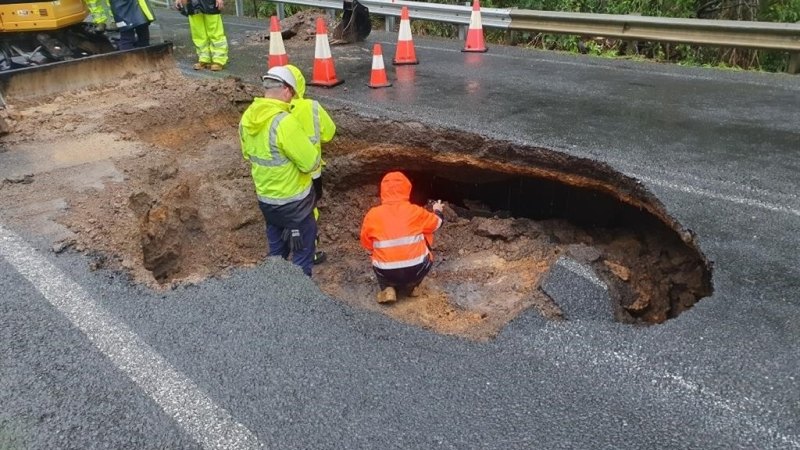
column 725, row 33
column 456, row 14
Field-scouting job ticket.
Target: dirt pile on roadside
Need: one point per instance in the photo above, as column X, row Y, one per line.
column 299, row 27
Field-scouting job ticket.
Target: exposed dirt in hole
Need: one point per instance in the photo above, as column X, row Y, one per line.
column 489, row 263
column 173, row 203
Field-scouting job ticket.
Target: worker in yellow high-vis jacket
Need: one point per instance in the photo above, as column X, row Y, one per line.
column 282, row 160
column 208, row 34
column 320, row 129
column 101, row 12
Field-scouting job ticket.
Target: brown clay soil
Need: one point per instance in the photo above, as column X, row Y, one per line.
column 146, row 177
column 295, row 29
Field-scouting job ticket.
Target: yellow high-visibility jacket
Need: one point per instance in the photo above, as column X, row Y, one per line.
column 316, row 123
column 314, row 119
column 281, row 156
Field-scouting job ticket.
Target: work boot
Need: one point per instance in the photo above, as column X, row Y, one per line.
column 387, row 295
column 200, row 66
column 216, row 67
column 319, row 257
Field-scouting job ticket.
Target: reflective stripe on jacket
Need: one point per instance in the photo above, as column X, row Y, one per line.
column 312, row 116
column 99, row 9
column 316, row 122
column 281, row 156
column 398, row 233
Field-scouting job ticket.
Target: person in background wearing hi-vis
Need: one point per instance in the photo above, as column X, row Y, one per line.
column 398, row 235
column 100, row 11
column 320, row 130
column 133, row 19
column 281, row 162
column 208, row 35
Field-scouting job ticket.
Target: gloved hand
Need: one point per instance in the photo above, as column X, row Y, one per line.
column 183, row 7
column 292, row 237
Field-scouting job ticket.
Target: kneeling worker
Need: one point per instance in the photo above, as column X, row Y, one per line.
column 398, row 235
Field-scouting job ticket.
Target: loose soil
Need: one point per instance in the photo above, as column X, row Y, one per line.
column 295, row 29
column 146, row 177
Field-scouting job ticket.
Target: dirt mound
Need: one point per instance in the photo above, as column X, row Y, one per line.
column 301, row 26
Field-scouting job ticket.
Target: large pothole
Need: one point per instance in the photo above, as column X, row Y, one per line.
column 188, row 212
column 512, row 212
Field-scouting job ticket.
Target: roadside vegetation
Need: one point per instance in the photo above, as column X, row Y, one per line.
column 787, row 11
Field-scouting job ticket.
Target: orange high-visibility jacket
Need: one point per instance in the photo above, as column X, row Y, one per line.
column 397, row 233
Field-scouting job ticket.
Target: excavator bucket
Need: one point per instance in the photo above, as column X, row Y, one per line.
column 355, row 25
column 95, row 70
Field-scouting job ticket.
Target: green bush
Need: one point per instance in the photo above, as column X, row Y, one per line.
column 263, row 8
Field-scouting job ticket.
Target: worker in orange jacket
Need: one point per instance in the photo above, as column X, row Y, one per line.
column 398, row 235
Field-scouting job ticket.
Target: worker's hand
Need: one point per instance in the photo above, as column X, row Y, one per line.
column 178, row 4
column 293, row 238
column 220, row 4
column 437, row 206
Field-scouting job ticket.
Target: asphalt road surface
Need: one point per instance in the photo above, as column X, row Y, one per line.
column 263, row 359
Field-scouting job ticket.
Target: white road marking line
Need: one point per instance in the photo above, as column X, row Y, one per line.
column 734, row 410
column 210, row 425
column 729, row 198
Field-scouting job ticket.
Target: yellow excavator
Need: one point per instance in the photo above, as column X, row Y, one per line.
column 46, row 47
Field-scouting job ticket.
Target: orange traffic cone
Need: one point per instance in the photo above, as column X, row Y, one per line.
column 405, row 53
column 277, row 52
column 378, row 77
column 475, row 41
column 324, row 73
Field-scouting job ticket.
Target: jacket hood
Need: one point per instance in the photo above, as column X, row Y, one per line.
column 299, row 79
column 259, row 112
column 395, row 187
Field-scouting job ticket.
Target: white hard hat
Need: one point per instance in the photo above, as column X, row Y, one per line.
column 282, row 74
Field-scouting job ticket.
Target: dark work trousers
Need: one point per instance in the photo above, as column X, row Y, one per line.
column 135, row 37
column 406, row 278
column 303, row 257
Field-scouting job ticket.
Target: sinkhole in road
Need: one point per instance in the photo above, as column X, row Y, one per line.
column 512, row 212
